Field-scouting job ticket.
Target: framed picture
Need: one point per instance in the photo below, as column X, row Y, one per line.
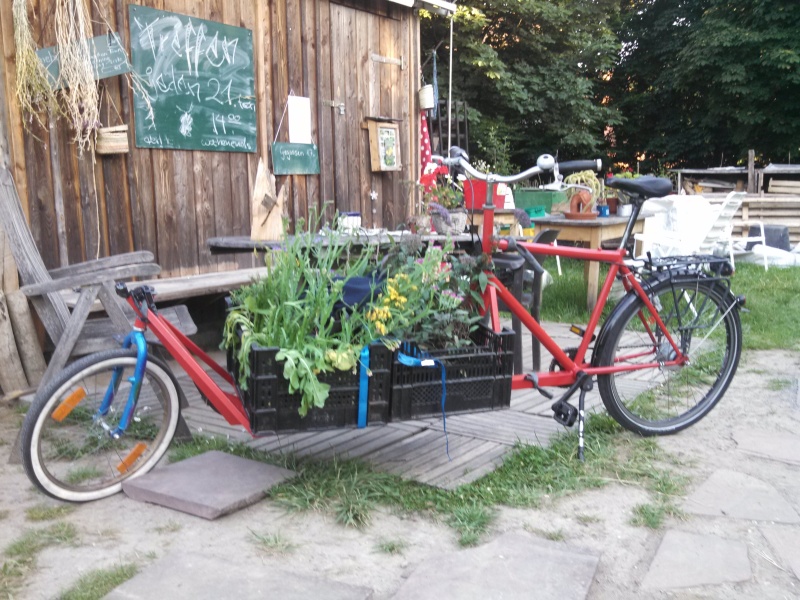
column 384, row 144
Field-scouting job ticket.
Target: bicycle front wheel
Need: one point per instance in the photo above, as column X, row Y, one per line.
column 701, row 317
column 68, row 449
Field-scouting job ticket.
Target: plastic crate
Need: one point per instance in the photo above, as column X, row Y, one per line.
column 478, row 378
column 530, row 197
column 272, row 408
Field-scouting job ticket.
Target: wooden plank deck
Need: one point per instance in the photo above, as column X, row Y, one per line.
column 416, row 450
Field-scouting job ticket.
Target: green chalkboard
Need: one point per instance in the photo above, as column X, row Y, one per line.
column 108, row 58
column 295, row 159
column 200, row 80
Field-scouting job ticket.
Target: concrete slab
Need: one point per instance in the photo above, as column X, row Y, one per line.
column 733, row 494
column 782, row 447
column 785, row 541
column 189, row 576
column 208, row 485
column 689, row 559
column 515, row 566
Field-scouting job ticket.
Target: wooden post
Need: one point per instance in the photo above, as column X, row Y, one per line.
column 751, row 171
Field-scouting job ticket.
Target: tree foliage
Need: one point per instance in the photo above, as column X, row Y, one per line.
column 701, row 81
column 679, row 81
column 530, row 70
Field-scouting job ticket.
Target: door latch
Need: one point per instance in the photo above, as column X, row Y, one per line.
column 336, row 105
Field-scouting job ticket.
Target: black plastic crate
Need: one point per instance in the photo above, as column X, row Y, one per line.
column 478, row 378
column 272, row 408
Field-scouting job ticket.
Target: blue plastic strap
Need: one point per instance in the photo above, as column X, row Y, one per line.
column 411, row 361
column 363, row 387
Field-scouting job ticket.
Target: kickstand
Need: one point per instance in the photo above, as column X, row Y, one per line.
column 586, row 386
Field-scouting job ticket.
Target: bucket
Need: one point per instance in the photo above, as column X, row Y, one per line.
column 426, row 97
column 350, row 221
column 475, row 194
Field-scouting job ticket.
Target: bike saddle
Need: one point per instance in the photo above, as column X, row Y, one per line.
column 643, row 187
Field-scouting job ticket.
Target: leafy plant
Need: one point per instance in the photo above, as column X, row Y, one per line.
column 295, row 307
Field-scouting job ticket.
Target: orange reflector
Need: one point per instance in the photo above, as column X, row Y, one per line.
column 66, row 407
column 137, row 451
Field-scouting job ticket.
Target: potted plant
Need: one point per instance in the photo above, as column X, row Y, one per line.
column 619, row 204
column 445, row 204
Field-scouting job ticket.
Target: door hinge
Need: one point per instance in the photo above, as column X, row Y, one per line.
column 400, row 62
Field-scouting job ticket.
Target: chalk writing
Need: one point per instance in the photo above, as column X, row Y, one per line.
column 203, row 64
column 107, row 55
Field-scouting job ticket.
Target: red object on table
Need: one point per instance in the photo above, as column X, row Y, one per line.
column 475, row 194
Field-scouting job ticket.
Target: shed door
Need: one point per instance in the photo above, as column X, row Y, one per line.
column 368, row 80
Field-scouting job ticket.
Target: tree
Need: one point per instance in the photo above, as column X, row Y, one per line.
column 530, row 71
column 701, row 81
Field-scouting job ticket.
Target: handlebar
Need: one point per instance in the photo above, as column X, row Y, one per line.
column 545, row 163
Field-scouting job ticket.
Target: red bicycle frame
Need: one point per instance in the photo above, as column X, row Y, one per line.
column 570, row 368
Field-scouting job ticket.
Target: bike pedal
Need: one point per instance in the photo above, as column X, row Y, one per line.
column 565, row 413
column 580, row 331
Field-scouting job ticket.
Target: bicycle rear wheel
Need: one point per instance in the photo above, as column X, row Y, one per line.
column 67, row 448
column 702, row 319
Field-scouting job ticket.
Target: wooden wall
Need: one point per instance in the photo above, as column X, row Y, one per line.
column 171, row 201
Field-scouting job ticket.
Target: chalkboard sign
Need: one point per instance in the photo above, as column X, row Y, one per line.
column 200, row 80
column 295, row 159
column 108, row 58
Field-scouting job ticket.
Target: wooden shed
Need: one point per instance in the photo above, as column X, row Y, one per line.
column 356, row 60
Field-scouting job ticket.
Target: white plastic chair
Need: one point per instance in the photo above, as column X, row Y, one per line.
column 677, row 225
column 719, row 238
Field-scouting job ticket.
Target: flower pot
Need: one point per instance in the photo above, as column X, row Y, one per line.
column 624, row 210
column 613, row 203
column 420, row 224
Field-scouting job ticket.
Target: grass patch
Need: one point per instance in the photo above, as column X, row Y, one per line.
column 98, row 583
column 201, row 444
column 554, row 535
column 778, row 385
column 273, row 543
column 391, row 546
column 3, row 514
column 169, row 527
column 44, row 512
column 773, row 300
column 21, row 554
column 652, row 515
column 531, row 475
column 585, row 519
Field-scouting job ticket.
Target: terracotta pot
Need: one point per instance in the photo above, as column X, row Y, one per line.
column 612, row 202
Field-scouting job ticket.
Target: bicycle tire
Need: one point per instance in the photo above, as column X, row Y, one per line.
column 666, row 400
column 67, row 452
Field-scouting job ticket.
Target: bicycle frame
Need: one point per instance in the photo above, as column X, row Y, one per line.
column 572, row 369
column 182, row 350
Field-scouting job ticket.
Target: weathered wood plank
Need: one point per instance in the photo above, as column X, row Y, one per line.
column 324, row 110
column 16, row 141
column 294, row 73
column 359, row 93
column 241, row 183
column 309, row 43
column 341, row 43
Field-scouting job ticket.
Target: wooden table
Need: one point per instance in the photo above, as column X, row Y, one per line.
column 593, row 233
column 239, row 244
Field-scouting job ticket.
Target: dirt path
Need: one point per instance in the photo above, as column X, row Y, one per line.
column 763, row 398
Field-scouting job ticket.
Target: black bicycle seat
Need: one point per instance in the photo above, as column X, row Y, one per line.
column 643, row 187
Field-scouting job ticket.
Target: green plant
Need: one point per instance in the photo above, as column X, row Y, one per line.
column 43, row 512
column 445, row 195
column 427, row 298
column 98, row 583
column 391, row 546
column 273, row 543
column 295, row 307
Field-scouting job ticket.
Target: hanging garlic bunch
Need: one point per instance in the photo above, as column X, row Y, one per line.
column 81, row 100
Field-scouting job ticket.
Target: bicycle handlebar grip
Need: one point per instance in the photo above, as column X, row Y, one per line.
column 581, row 165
